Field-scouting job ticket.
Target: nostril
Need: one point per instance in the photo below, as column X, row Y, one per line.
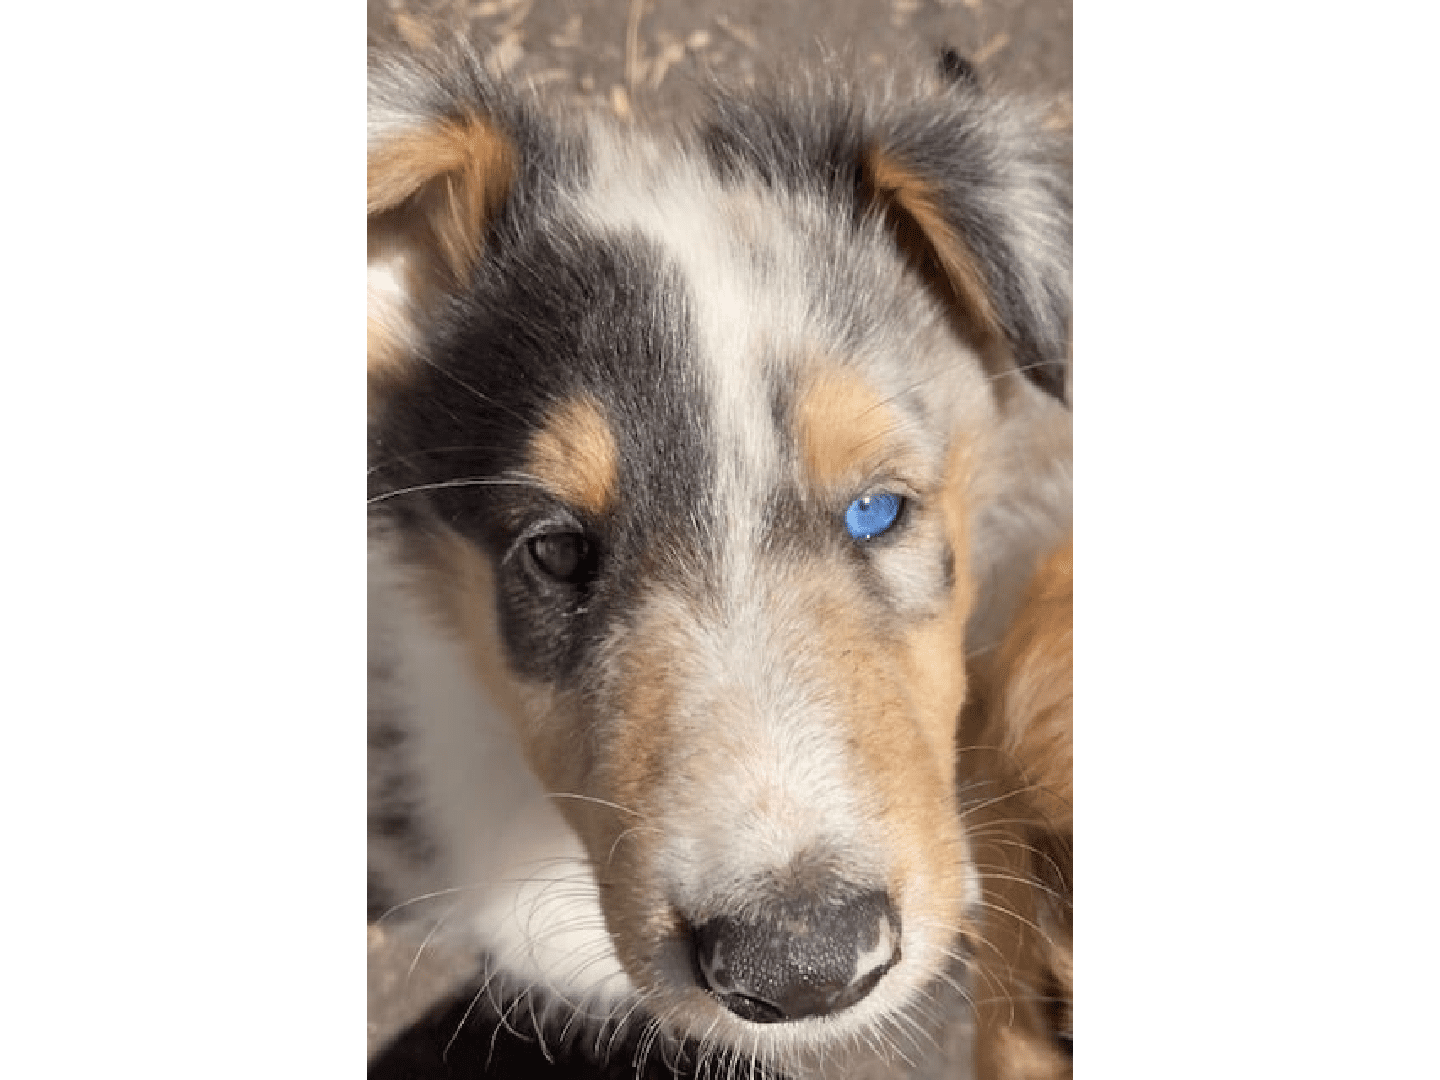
column 731, row 963
column 798, row 958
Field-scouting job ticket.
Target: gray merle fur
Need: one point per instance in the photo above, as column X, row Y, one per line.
column 998, row 186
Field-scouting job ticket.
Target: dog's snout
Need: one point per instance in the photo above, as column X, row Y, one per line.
column 801, row 957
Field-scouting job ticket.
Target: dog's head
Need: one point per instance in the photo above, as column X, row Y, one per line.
column 688, row 443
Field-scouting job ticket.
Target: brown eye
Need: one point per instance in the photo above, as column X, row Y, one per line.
column 567, row 557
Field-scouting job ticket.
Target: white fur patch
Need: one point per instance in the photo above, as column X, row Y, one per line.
column 387, row 298
column 520, row 879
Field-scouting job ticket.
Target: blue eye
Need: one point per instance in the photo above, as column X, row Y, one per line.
column 871, row 515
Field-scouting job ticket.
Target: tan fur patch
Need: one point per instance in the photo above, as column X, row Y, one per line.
column 1022, row 956
column 925, row 235
column 932, row 647
column 1033, row 704
column 384, row 345
column 933, row 685
column 431, row 193
column 1018, row 733
column 1013, row 1055
column 575, row 457
column 935, row 688
column 845, row 430
column 458, row 171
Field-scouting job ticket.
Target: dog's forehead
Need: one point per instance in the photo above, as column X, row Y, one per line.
column 776, row 295
column 662, row 347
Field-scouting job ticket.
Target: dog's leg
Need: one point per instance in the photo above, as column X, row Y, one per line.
column 1016, row 760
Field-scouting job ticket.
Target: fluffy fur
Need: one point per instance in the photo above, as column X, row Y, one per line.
column 1018, row 729
column 651, row 732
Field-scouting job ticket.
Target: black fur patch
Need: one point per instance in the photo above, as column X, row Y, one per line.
column 549, row 318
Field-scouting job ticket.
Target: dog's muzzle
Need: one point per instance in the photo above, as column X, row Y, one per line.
column 797, row 958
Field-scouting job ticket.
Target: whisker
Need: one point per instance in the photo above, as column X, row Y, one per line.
column 415, row 960
column 445, row 1054
column 1003, row 910
column 485, row 398
column 429, row 451
column 593, row 799
column 421, row 899
column 1024, row 789
column 996, row 875
column 439, row 485
column 628, row 832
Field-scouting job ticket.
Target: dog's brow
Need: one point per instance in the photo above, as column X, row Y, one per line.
column 845, row 429
column 573, row 455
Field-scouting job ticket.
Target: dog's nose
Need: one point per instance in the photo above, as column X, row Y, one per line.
column 798, row 958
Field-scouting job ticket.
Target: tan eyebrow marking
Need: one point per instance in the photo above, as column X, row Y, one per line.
column 575, row 457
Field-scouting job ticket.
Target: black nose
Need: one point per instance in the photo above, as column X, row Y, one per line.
column 800, row 957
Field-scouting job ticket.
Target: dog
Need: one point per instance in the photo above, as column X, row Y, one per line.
column 1017, row 740
column 699, row 460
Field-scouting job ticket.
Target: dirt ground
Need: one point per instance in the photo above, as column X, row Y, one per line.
column 641, row 57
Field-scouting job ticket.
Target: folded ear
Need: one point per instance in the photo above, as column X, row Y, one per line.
column 996, row 252
column 969, row 183
column 439, row 169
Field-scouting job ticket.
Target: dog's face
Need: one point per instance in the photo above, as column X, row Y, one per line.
column 687, row 447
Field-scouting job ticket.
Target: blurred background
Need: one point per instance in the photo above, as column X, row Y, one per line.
column 642, row 55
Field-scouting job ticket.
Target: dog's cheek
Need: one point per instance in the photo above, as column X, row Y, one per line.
column 898, row 697
column 613, row 751
column 600, row 757
column 934, row 650
column 931, row 660
column 460, row 583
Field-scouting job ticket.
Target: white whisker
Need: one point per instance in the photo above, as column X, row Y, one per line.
column 475, row 481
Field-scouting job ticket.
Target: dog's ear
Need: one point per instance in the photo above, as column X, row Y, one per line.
column 977, row 203
column 440, row 167
column 971, row 186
